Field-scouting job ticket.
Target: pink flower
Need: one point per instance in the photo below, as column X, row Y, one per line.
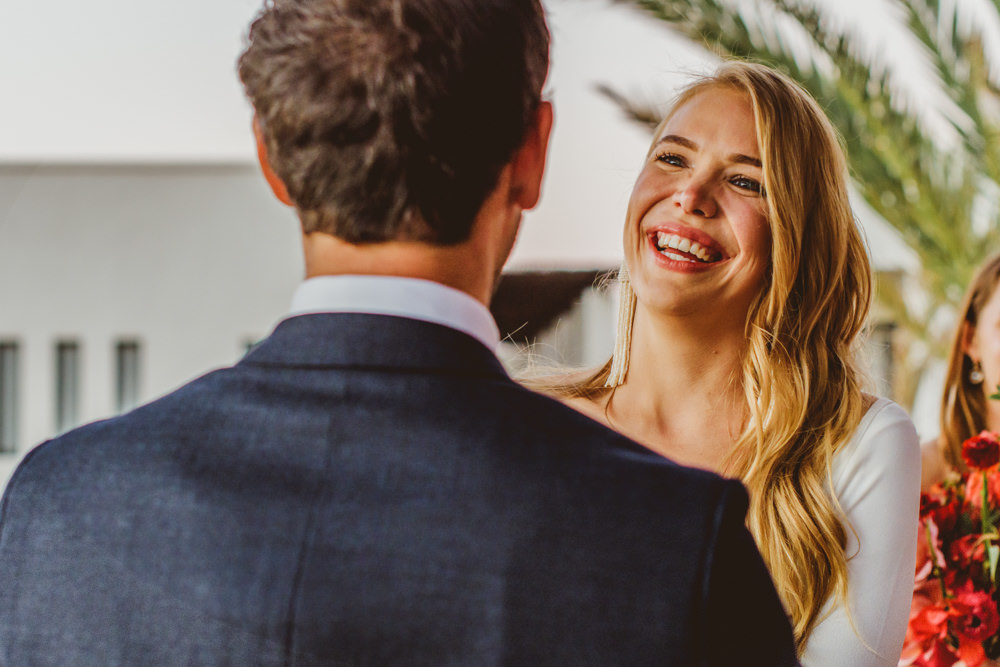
column 982, row 451
column 926, row 560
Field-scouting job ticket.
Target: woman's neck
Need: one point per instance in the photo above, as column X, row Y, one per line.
column 992, row 413
column 682, row 396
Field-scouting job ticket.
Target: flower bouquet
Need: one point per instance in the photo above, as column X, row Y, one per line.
column 954, row 618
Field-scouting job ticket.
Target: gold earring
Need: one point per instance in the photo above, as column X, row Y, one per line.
column 623, row 335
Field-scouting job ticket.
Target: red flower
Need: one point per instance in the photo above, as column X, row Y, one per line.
column 928, row 630
column 981, row 451
column 928, row 504
column 974, row 491
column 946, row 517
column 966, row 551
column 938, row 654
column 942, row 506
column 975, row 614
column 954, row 616
column 930, row 621
column 971, row 652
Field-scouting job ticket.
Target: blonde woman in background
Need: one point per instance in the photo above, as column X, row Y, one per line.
column 745, row 289
column 973, row 374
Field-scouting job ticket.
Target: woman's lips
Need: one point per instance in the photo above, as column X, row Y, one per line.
column 685, row 245
column 684, row 249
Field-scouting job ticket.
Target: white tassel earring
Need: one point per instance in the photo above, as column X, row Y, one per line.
column 623, row 335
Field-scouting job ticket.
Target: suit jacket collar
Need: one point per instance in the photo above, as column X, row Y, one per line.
column 359, row 340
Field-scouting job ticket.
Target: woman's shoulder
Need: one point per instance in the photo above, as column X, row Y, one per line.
column 572, row 387
column 886, row 420
column 559, row 380
column 562, row 384
column 586, row 404
column 884, row 444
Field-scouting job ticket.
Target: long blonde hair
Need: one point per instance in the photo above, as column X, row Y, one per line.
column 963, row 405
column 799, row 374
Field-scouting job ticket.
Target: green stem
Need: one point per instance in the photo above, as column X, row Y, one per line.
column 983, row 511
column 935, row 570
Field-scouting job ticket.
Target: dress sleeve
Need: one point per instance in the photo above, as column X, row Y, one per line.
column 876, row 479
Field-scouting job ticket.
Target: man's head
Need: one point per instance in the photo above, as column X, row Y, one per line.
column 391, row 120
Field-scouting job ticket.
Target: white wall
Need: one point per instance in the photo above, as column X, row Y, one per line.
column 191, row 261
column 123, row 81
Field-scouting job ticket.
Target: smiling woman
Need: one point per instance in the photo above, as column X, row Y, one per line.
column 700, row 187
column 745, row 287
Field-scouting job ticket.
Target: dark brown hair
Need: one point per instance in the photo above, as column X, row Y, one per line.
column 391, row 119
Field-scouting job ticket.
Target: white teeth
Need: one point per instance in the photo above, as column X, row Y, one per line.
column 675, row 242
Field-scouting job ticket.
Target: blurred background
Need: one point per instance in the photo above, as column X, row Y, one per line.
column 139, row 247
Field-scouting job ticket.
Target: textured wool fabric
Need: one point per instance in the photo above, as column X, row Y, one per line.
column 374, row 490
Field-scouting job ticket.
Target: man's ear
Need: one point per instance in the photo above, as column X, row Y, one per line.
column 277, row 185
column 529, row 160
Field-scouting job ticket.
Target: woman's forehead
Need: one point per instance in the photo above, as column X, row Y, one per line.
column 711, row 115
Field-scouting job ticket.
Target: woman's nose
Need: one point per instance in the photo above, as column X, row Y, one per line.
column 695, row 198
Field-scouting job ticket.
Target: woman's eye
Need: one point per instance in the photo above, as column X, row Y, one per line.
column 670, row 158
column 749, row 184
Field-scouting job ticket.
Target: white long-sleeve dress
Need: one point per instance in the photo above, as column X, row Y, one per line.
column 876, row 479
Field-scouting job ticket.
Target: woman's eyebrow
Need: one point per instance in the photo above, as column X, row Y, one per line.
column 746, row 159
column 738, row 158
column 681, row 141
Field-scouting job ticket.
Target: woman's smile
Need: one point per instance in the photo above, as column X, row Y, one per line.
column 681, row 243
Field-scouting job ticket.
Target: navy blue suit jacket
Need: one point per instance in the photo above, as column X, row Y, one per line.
column 371, row 490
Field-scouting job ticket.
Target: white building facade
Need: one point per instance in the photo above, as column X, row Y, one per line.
column 120, row 283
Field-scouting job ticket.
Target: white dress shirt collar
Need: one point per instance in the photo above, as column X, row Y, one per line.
column 401, row 297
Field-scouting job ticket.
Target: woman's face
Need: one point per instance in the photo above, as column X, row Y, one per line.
column 696, row 236
column 983, row 342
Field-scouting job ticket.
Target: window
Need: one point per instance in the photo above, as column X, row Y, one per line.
column 9, row 372
column 126, row 375
column 67, row 385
